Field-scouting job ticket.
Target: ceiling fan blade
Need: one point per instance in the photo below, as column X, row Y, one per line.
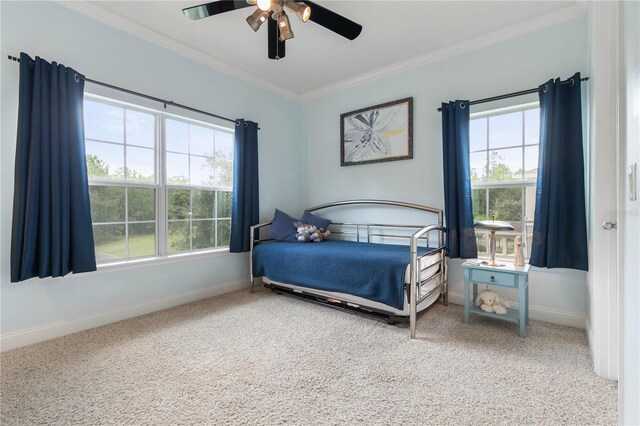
column 332, row 21
column 214, row 8
column 276, row 47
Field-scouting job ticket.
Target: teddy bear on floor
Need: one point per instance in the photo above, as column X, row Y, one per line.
column 308, row 232
column 489, row 301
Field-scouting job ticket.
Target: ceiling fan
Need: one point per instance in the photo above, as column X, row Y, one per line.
column 279, row 27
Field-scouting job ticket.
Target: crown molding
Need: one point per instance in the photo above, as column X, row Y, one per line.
column 116, row 21
column 567, row 13
column 561, row 15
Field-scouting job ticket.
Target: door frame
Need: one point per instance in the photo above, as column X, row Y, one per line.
column 603, row 284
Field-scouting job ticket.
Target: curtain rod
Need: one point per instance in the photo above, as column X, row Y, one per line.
column 513, row 95
column 142, row 95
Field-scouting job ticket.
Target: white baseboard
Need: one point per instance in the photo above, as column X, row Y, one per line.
column 19, row 338
column 44, row 332
column 541, row 313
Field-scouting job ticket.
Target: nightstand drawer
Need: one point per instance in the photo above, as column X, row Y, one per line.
column 493, row 277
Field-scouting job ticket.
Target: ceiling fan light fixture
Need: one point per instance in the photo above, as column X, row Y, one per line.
column 301, row 10
column 284, row 27
column 264, row 4
column 273, row 13
column 257, row 18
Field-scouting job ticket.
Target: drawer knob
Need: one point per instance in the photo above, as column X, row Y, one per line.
column 493, row 279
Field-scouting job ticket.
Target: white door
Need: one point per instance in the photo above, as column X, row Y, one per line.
column 629, row 385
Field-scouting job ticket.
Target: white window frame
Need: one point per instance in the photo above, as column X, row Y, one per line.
column 160, row 185
column 513, row 184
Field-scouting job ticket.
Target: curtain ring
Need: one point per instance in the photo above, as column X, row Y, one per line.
column 462, row 105
column 246, row 124
column 572, row 82
column 546, row 87
column 237, row 123
column 76, row 78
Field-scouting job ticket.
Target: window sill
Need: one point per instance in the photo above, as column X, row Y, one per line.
column 502, row 259
column 126, row 265
column 161, row 260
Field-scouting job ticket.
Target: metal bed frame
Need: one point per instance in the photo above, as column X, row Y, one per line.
column 421, row 233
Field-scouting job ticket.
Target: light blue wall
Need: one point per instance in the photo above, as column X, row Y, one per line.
column 299, row 158
column 104, row 53
column 509, row 66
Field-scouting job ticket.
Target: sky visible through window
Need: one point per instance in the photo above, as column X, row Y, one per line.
column 114, row 134
column 504, row 165
column 123, row 140
column 507, row 135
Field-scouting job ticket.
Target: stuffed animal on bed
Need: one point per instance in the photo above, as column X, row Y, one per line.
column 308, row 232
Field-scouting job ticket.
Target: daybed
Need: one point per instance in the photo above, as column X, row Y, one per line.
column 366, row 268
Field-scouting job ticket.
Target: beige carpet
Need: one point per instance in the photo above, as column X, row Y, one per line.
column 269, row 359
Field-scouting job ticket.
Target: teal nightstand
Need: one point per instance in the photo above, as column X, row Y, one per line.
column 516, row 277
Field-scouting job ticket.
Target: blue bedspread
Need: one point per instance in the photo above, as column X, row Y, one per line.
column 372, row 271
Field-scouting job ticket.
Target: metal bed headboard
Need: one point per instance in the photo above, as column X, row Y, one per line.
column 380, row 202
column 391, row 203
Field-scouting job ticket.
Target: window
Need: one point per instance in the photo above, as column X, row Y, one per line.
column 199, row 168
column 504, row 169
column 159, row 184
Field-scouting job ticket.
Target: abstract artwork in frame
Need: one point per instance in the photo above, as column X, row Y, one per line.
column 379, row 133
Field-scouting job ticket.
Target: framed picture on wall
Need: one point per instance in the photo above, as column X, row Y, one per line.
column 378, row 133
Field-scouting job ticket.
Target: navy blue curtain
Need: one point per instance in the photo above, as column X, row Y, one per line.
column 245, row 207
column 51, row 231
column 458, row 209
column 560, row 223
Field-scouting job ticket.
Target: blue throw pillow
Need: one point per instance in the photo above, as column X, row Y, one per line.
column 282, row 228
column 317, row 221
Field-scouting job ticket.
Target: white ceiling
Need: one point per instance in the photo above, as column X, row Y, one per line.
column 394, row 32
